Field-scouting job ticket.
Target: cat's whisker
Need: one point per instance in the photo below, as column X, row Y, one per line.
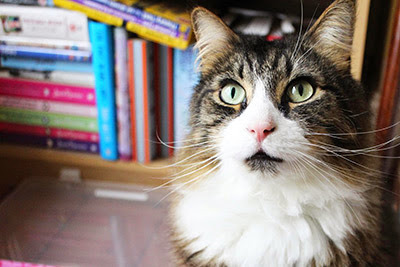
column 343, row 172
column 180, row 161
column 316, row 168
column 357, row 133
column 360, row 151
column 196, row 164
column 168, row 144
column 181, row 185
column 300, row 32
column 175, row 178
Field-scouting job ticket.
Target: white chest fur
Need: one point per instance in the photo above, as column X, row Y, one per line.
column 245, row 220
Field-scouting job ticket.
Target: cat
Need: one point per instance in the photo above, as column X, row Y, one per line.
column 272, row 172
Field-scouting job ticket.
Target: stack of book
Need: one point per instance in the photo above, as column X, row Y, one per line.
column 47, row 95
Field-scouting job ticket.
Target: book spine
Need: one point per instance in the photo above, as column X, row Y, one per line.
column 45, row 53
column 133, row 15
column 166, row 100
column 47, row 91
column 61, row 77
column 48, row 106
column 27, row 2
column 50, row 142
column 122, row 94
column 185, row 78
column 132, row 94
column 43, row 22
column 103, row 66
column 45, row 43
column 138, row 73
column 148, row 25
column 50, row 132
column 144, row 99
column 91, row 10
column 45, row 65
column 53, row 120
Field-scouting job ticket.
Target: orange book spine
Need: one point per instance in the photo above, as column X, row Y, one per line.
column 131, row 75
column 146, row 111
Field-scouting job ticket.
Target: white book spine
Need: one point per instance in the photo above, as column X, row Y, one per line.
column 43, row 22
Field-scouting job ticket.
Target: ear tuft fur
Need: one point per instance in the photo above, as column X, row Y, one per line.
column 214, row 38
column 332, row 33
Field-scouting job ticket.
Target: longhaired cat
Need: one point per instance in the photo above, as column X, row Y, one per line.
column 272, row 172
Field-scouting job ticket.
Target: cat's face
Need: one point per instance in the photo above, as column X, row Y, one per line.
column 271, row 105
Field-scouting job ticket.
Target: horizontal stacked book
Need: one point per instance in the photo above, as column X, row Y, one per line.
column 71, row 83
column 41, row 104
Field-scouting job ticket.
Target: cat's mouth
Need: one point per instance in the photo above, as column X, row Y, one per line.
column 261, row 161
column 261, row 155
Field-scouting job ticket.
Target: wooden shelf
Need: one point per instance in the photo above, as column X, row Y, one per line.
column 18, row 162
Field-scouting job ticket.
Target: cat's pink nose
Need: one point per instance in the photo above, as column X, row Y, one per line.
column 260, row 132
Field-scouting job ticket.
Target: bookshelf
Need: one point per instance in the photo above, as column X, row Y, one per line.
column 18, row 162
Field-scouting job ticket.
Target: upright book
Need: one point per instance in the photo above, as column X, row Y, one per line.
column 122, row 94
column 103, row 66
column 166, row 99
column 142, row 93
column 186, row 76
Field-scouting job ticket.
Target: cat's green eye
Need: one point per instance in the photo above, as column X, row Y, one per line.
column 232, row 94
column 300, row 91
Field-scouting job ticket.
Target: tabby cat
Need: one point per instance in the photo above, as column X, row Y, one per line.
column 273, row 171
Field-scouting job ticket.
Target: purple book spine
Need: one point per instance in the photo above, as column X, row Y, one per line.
column 50, row 142
column 122, row 94
column 134, row 15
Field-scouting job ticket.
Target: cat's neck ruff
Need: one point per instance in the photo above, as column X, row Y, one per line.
column 244, row 219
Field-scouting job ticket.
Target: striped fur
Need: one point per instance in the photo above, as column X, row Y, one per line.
column 230, row 208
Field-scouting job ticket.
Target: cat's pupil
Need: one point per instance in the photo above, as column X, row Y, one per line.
column 233, row 92
column 300, row 89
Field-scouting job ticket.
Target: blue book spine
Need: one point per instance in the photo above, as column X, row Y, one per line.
column 44, row 65
column 103, row 69
column 185, row 78
column 45, row 53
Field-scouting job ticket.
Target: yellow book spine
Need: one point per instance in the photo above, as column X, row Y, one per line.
column 156, row 36
column 91, row 13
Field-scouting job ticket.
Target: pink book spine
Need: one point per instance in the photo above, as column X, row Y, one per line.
column 47, row 91
column 48, row 106
column 50, row 132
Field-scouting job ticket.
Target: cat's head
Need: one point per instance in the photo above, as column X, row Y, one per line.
column 269, row 105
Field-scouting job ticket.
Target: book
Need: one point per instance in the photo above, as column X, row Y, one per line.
column 45, row 64
column 122, row 94
column 45, row 53
column 28, row 2
column 103, row 69
column 50, row 142
column 54, row 120
column 48, row 106
column 47, row 91
column 50, row 132
column 152, row 22
column 166, row 101
column 131, row 85
column 43, row 22
column 63, row 77
column 143, row 98
column 45, row 43
column 186, row 76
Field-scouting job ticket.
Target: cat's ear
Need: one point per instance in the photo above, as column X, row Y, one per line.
column 332, row 33
column 213, row 37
